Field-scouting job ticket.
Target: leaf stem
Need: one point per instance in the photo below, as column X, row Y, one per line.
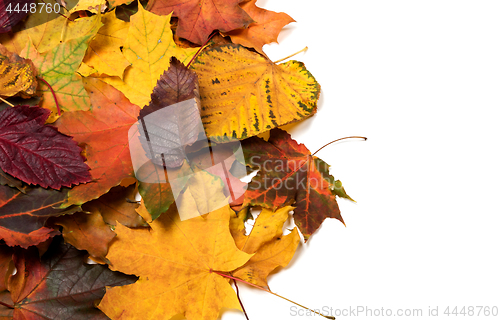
column 53, row 94
column 6, row 305
column 351, row 137
column 268, row 291
column 303, row 50
column 241, row 303
column 201, row 48
column 7, row 102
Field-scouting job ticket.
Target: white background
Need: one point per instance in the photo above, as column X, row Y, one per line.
column 421, row 80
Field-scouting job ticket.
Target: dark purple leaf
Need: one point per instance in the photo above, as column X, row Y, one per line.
column 37, row 153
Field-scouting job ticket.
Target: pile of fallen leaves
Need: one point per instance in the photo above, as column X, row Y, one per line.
column 76, row 240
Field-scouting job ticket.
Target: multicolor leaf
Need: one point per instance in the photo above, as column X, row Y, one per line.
column 60, row 285
column 23, row 215
column 289, row 174
column 103, row 130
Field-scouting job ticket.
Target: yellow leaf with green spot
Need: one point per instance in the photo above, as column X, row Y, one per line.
column 148, row 49
column 58, row 67
column 244, row 94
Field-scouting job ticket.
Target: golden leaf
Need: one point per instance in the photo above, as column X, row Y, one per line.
column 148, row 49
column 104, row 54
column 174, row 261
column 244, row 94
column 266, row 240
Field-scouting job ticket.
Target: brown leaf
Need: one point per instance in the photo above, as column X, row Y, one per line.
column 198, row 18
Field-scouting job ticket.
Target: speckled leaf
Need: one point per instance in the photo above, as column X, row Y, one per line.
column 244, row 94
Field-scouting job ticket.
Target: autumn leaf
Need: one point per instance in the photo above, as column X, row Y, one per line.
column 89, row 5
column 264, row 30
column 37, row 153
column 148, row 49
column 266, row 240
column 198, row 18
column 104, row 53
column 17, row 75
column 223, row 161
column 290, row 174
column 244, row 94
column 155, row 189
column 171, row 121
column 60, row 285
column 174, row 276
column 8, row 180
column 23, row 215
column 10, row 18
column 5, row 260
column 57, row 67
column 46, row 30
column 91, row 229
column 103, row 130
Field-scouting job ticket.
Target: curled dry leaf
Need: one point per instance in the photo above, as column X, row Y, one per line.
column 17, row 75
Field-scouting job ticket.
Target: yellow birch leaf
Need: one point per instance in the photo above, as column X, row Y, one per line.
column 266, row 240
column 48, row 30
column 174, row 261
column 244, row 94
column 104, row 54
column 148, row 48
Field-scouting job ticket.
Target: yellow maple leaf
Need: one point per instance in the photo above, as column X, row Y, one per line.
column 148, row 48
column 48, row 30
column 174, row 261
column 104, row 54
column 266, row 240
column 244, row 94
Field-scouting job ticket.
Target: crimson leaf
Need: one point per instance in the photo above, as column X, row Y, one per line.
column 37, row 153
